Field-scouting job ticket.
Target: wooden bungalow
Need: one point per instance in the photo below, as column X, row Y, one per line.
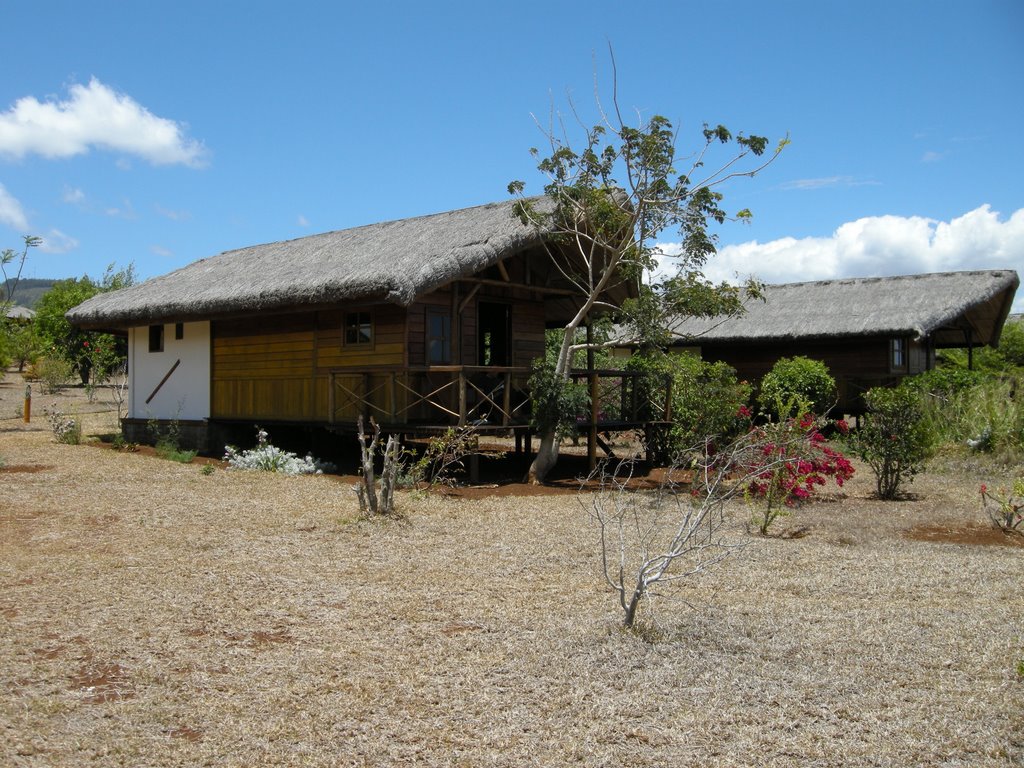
column 420, row 323
column 869, row 331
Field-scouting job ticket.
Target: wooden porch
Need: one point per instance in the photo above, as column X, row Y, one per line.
column 490, row 399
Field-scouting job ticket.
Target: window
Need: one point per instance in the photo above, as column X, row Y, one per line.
column 439, row 337
column 179, row 331
column 156, row 338
column 899, row 354
column 358, row 329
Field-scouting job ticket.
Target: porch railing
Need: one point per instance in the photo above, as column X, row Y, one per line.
column 457, row 395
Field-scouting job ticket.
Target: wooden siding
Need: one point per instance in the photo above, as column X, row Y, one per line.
column 277, row 367
column 856, row 364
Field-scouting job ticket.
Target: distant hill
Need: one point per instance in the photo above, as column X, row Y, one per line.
column 29, row 290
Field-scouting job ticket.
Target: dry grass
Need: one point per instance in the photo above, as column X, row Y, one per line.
column 155, row 616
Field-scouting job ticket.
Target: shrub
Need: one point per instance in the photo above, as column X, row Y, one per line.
column 793, row 462
column 893, row 439
column 1005, row 507
column 54, row 372
column 266, row 457
column 706, row 401
column 555, row 402
column 66, row 429
column 443, row 459
column 797, row 379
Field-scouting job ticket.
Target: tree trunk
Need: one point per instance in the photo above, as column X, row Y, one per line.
column 544, row 461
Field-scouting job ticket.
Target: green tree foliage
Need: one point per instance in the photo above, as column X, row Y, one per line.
column 893, row 439
column 797, row 380
column 1008, row 357
column 706, row 401
column 610, row 195
column 85, row 350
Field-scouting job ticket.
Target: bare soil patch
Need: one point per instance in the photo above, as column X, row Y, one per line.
column 152, row 615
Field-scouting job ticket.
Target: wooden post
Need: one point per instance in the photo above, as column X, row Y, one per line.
column 330, row 398
column 366, row 396
column 668, row 398
column 592, row 379
column 462, row 398
column 393, row 396
column 506, row 400
column 27, row 412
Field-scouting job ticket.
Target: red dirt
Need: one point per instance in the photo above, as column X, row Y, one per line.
column 28, row 469
column 972, row 535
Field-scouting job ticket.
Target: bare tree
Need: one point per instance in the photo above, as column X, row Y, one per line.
column 608, row 196
column 9, row 257
column 366, row 489
column 651, row 538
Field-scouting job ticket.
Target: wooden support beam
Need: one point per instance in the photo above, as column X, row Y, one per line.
column 532, row 288
column 469, row 297
column 163, row 381
column 503, row 271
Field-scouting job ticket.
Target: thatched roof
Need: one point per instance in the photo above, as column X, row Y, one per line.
column 939, row 306
column 20, row 313
column 394, row 261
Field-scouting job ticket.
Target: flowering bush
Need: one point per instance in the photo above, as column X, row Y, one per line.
column 66, row 429
column 269, row 458
column 1005, row 507
column 796, row 462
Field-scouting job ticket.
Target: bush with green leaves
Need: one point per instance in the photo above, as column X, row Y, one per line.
column 54, row 372
column 556, row 403
column 706, row 401
column 797, row 379
column 893, row 439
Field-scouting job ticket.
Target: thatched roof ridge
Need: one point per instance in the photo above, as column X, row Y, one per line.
column 393, row 261
column 917, row 306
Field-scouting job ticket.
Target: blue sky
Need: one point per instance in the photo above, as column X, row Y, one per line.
column 158, row 133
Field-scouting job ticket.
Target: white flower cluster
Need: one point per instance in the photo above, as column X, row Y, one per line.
column 269, row 458
column 65, row 428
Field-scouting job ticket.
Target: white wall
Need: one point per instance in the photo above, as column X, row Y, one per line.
column 189, row 385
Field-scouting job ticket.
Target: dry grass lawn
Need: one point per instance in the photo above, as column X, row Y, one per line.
column 151, row 615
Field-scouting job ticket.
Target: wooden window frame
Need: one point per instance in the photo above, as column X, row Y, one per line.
column 156, row 338
column 444, row 315
column 370, row 321
column 899, row 355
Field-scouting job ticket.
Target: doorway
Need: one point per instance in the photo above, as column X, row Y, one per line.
column 494, row 333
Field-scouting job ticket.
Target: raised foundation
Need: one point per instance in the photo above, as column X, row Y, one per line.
column 191, row 435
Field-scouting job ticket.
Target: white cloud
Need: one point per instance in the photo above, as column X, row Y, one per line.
column 827, row 181
column 879, row 246
column 56, row 241
column 933, row 157
column 73, row 195
column 11, row 212
column 171, row 214
column 95, row 116
column 302, row 221
column 126, row 211
column 160, row 250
